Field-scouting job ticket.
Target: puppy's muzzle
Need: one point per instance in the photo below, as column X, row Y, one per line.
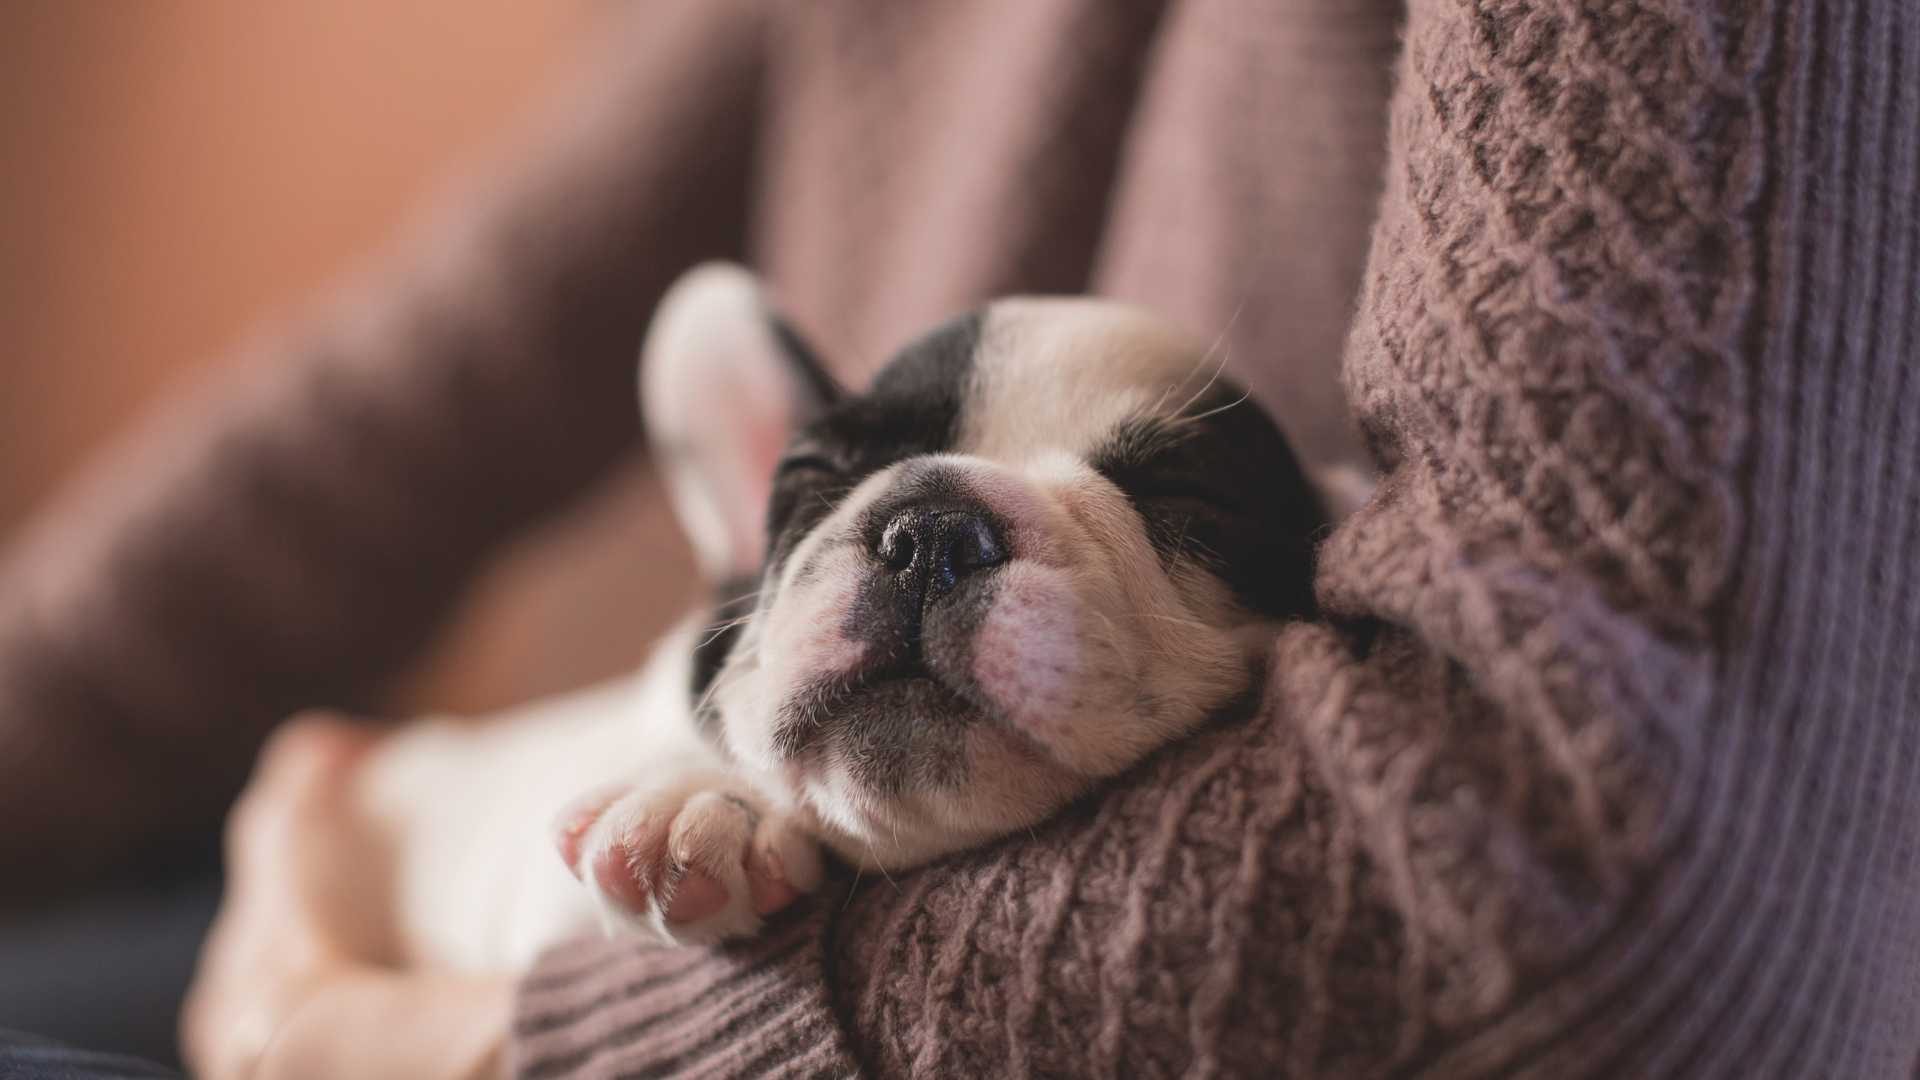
column 929, row 548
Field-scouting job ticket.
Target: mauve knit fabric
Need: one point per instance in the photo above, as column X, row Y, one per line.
column 1604, row 758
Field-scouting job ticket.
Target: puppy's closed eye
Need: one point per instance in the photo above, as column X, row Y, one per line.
column 808, row 464
column 1162, row 466
column 807, row 483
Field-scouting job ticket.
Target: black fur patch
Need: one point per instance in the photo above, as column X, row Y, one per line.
column 1223, row 489
column 806, row 363
column 912, row 408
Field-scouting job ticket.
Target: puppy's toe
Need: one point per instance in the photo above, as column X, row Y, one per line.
column 574, row 821
column 782, row 863
column 629, row 868
column 665, row 864
column 707, row 845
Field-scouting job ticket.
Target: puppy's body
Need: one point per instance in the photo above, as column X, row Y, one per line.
column 1047, row 540
column 461, row 814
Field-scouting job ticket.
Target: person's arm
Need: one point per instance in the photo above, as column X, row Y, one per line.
column 290, row 537
column 282, row 990
column 380, row 1024
column 1601, row 763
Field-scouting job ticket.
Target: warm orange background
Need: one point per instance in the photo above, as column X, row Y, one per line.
column 173, row 173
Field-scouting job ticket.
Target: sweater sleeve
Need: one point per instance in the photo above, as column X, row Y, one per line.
column 1600, row 761
column 217, row 571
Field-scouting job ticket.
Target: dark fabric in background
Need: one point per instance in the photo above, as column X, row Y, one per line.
column 105, row 970
column 33, row 1057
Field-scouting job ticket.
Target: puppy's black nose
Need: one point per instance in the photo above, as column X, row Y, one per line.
column 933, row 547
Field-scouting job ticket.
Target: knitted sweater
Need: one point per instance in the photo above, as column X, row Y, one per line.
column 1605, row 757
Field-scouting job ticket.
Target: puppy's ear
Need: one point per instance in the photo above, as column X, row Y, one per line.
column 724, row 383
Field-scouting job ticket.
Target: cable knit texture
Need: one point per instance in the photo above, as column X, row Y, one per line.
column 1603, row 758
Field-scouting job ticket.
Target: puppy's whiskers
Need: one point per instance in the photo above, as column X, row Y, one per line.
column 721, row 628
column 1218, row 347
column 732, row 673
column 881, row 866
column 1164, row 618
column 1241, row 400
column 733, row 601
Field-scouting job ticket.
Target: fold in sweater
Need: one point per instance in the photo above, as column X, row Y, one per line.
column 1603, row 757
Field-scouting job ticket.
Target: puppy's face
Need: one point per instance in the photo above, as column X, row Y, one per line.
column 1046, row 540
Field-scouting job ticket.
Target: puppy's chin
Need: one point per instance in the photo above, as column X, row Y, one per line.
column 908, row 755
column 1013, row 787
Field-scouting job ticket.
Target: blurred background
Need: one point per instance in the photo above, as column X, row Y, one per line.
column 178, row 174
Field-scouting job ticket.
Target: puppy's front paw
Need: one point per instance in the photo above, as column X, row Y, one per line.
column 690, row 862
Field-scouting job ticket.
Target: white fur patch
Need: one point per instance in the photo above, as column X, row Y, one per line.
column 1030, row 657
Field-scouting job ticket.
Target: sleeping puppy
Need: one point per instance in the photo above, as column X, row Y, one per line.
column 1046, row 540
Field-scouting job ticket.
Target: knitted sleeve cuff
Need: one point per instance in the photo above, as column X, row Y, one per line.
column 759, row 1008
